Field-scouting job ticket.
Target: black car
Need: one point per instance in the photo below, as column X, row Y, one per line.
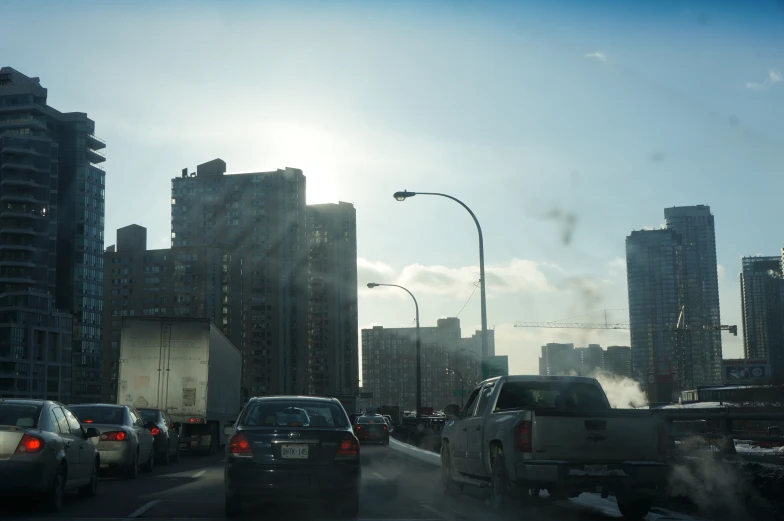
column 293, row 449
column 372, row 427
column 165, row 432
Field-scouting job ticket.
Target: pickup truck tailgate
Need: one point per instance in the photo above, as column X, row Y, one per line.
column 602, row 436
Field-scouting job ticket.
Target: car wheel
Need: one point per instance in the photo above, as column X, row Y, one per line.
column 91, row 488
column 450, row 487
column 150, row 465
column 635, row 509
column 350, row 507
column 232, row 506
column 133, row 470
column 499, row 484
column 54, row 500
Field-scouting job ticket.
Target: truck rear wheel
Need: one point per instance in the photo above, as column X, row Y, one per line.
column 500, row 488
column 634, row 509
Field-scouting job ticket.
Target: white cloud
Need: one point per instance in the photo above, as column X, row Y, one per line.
column 722, row 271
column 773, row 78
column 618, row 264
column 597, row 56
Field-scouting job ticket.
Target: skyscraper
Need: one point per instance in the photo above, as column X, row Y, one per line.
column 258, row 222
column 653, row 270
column 51, row 242
column 333, row 353
column 761, row 289
column 695, row 226
column 173, row 282
column 618, row 361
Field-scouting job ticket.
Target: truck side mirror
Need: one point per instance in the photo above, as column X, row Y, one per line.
column 452, row 410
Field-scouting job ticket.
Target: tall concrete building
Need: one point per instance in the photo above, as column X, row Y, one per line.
column 333, row 351
column 761, row 288
column 178, row 282
column 590, row 359
column 653, row 265
column 51, row 246
column 558, row 360
column 389, row 365
column 700, row 282
column 258, row 221
column 618, row 360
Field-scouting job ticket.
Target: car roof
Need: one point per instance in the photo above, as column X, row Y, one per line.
column 25, row 401
column 314, row 399
column 96, row 405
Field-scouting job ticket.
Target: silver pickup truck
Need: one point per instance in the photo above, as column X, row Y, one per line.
column 519, row 435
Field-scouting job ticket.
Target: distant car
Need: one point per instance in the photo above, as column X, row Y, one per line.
column 372, row 428
column 317, row 459
column 125, row 443
column 165, row 433
column 44, row 450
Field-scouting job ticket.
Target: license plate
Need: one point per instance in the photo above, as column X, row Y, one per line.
column 595, row 469
column 294, row 451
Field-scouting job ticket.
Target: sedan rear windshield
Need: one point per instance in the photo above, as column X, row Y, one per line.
column 363, row 420
column 149, row 415
column 19, row 414
column 88, row 414
column 550, row 395
column 293, row 413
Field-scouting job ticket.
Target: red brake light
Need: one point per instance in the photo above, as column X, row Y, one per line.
column 87, row 421
column 114, row 436
column 29, row 445
column 523, row 436
column 385, row 427
column 358, row 427
column 155, row 431
column 295, row 424
column 239, row 444
column 349, row 447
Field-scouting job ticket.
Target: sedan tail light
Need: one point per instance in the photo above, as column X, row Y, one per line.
column 239, row 444
column 114, row 436
column 155, row 431
column 349, row 447
column 29, row 445
column 523, row 436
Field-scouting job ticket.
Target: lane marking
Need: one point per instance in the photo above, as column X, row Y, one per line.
column 435, row 511
column 143, row 509
column 199, row 474
column 379, row 476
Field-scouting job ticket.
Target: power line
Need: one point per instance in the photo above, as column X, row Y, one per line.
column 476, row 285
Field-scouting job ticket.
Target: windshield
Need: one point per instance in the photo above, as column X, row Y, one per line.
column 105, row 415
column 293, row 414
column 548, row 394
column 19, row 415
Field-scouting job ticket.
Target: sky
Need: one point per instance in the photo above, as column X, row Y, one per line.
column 564, row 125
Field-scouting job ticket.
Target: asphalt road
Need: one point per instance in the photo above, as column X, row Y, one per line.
column 395, row 487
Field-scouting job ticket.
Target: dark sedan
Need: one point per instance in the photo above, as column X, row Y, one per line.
column 293, row 449
column 165, row 433
column 372, row 428
column 44, row 451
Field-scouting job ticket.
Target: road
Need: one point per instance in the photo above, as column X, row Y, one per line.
column 394, row 487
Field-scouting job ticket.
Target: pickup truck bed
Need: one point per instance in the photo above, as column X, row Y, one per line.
column 522, row 434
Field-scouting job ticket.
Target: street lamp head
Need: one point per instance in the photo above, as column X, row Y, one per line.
column 372, row 285
column 402, row 196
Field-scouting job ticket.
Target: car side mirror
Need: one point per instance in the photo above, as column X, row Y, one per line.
column 91, row 432
column 452, row 410
column 229, row 430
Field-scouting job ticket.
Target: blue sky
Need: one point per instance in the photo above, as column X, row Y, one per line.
column 533, row 113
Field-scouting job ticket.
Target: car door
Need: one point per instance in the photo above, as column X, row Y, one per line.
column 143, row 435
column 458, row 441
column 79, row 447
column 475, row 433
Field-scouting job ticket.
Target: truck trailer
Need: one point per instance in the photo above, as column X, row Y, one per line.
column 186, row 367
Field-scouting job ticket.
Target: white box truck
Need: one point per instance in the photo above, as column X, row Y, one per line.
column 186, row 367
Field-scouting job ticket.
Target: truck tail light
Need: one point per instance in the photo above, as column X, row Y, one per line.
column 349, row 447
column 523, row 436
column 114, row 436
column 29, row 445
column 239, row 444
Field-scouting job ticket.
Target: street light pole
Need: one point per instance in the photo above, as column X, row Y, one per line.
column 405, row 194
column 372, row 285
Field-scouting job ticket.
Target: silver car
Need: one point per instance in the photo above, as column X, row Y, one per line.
column 44, row 450
column 125, row 443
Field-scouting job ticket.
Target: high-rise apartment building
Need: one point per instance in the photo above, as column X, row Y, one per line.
column 389, row 365
column 761, row 288
column 51, row 246
column 176, row 282
column 590, row 359
column 333, row 353
column 618, row 360
column 565, row 360
column 700, row 283
column 653, row 266
column 558, row 360
column 258, row 221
